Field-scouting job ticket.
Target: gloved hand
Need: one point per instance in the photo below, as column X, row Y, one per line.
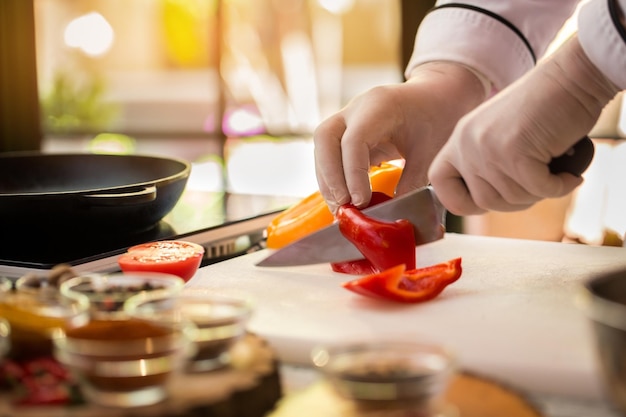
column 410, row 120
column 497, row 156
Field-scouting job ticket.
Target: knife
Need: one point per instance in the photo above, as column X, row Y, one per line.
column 421, row 207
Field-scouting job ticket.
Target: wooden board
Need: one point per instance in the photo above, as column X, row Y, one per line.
column 250, row 387
column 511, row 316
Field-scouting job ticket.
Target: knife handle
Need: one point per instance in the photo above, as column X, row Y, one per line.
column 575, row 160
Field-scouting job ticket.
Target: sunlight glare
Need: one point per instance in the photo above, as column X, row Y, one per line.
column 336, row 6
column 91, row 33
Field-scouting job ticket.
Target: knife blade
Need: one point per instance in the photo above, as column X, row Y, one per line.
column 421, row 207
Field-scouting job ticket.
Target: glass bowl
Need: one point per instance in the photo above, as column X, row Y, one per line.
column 123, row 363
column 219, row 320
column 35, row 313
column 603, row 301
column 389, row 374
column 107, row 293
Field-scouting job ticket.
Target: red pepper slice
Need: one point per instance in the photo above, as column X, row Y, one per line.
column 408, row 286
column 356, row 267
column 361, row 266
column 384, row 244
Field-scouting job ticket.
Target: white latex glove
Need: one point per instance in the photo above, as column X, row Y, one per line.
column 497, row 157
column 410, row 120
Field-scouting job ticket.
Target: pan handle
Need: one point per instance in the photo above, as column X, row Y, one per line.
column 145, row 195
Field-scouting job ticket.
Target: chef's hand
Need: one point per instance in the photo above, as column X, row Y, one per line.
column 497, row 157
column 411, row 120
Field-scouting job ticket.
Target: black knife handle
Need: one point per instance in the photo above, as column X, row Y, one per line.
column 575, row 160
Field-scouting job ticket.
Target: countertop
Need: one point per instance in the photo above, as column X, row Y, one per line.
column 512, row 316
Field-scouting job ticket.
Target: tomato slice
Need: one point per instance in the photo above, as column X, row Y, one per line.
column 174, row 257
column 408, row 286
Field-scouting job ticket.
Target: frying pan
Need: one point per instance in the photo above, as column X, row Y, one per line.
column 87, row 192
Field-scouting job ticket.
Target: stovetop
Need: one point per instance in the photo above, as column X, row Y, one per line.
column 225, row 224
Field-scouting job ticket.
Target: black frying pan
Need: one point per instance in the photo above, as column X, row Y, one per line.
column 88, row 192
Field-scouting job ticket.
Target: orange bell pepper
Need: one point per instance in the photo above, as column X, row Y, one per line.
column 312, row 213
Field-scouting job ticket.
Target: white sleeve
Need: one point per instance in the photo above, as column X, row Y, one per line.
column 500, row 39
column 603, row 38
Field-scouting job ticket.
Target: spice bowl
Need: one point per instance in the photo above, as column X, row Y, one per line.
column 389, row 376
column 35, row 313
column 123, row 363
column 219, row 321
column 107, row 293
column 603, row 300
column 119, row 360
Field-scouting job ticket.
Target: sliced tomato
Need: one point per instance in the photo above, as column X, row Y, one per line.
column 174, row 257
column 408, row 286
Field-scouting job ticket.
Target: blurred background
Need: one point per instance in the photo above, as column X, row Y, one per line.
column 236, row 81
column 236, row 87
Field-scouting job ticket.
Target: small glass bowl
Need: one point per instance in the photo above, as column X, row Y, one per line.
column 389, row 374
column 124, row 363
column 107, row 293
column 36, row 313
column 220, row 321
column 602, row 300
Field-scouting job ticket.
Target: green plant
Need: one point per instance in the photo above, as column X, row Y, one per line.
column 73, row 105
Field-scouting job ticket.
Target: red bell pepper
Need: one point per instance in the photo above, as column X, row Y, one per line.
column 356, row 267
column 361, row 266
column 408, row 286
column 385, row 244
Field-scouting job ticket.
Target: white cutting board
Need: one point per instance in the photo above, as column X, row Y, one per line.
column 511, row 316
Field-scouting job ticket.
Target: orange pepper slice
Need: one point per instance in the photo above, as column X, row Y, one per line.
column 312, row 213
column 385, row 177
column 299, row 220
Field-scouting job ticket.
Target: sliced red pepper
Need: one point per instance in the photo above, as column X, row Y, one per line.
column 378, row 197
column 384, row 244
column 361, row 266
column 408, row 286
column 356, row 267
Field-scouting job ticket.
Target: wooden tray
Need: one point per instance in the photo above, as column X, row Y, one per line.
column 250, row 387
